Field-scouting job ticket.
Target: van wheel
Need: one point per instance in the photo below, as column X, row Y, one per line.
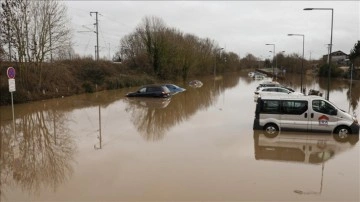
column 271, row 130
column 342, row 134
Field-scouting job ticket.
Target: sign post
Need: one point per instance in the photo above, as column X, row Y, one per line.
column 12, row 88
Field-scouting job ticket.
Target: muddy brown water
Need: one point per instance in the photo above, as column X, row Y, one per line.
column 197, row 146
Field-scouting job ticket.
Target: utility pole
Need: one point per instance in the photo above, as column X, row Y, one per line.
column 97, row 35
column 109, row 51
column 95, row 52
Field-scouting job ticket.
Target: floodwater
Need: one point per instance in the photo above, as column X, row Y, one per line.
column 197, row 146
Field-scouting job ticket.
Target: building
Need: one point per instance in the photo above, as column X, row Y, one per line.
column 338, row 57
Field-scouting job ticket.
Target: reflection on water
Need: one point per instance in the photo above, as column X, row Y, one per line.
column 308, row 148
column 312, row 148
column 51, row 137
column 40, row 154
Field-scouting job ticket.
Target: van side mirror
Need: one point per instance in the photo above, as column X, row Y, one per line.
column 334, row 112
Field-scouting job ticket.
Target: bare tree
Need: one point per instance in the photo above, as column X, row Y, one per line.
column 35, row 29
column 166, row 52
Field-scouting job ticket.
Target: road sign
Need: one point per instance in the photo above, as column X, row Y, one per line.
column 12, row 87
column 11, row 72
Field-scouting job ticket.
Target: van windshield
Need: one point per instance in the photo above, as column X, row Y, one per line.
column 323, row 107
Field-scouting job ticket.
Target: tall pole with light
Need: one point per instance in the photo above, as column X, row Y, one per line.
column 271, row 44
column 331, row 36
column 302, row 61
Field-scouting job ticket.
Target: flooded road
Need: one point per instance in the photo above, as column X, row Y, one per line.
column 197, row 146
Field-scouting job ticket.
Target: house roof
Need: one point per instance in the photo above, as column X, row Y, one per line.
column 337, row 53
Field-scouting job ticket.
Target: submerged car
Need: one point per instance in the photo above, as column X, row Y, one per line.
column 160, row 91
column 195, row 84
column 174, row 88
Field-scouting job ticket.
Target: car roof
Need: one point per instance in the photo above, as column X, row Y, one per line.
column 270, row 82
column 153, row 85
column 269, row 87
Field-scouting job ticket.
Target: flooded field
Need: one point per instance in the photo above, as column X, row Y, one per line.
column 197, row 146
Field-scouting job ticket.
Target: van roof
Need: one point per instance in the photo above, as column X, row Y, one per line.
column 287, row 96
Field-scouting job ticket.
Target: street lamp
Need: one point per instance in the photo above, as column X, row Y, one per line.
column 302, row 61
column 216, row 50
column 331, row 36
column 271, row 44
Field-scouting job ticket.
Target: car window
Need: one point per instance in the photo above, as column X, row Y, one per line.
column 165, row 89
column 323, row 107
column 152, row 89
column 282, row 90
column 142, row 90
column 291, row 90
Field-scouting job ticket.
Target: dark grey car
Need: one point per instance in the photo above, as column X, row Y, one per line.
column 151, row 91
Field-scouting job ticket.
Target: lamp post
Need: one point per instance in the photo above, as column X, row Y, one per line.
column 271, row 44
column 302, row 61
column 331, row 36
column 216, row 50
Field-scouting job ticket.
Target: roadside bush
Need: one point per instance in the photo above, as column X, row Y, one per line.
column 335, row 71
column 88, row 87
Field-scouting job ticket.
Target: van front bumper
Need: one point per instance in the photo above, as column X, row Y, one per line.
column 354, row 128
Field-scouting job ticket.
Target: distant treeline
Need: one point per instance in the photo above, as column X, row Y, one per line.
column 168, row 53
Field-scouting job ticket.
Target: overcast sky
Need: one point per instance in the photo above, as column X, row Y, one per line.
column 238, row 26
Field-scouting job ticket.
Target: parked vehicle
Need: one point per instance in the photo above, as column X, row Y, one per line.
column 251, row 74
column 277, row 89
column 268, row 84
column 259, row 77
column 303, row 113
column 151, row 91
column 274, row 91
column 273, row 84
column 174, row 88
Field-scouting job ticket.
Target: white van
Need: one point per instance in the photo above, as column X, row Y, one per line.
column 302, row 113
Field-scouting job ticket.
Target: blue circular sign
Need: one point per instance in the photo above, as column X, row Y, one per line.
column 11, row 72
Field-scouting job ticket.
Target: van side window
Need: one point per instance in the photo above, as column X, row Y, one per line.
column 323, row 107
column 294, row 107
column 270, row 107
